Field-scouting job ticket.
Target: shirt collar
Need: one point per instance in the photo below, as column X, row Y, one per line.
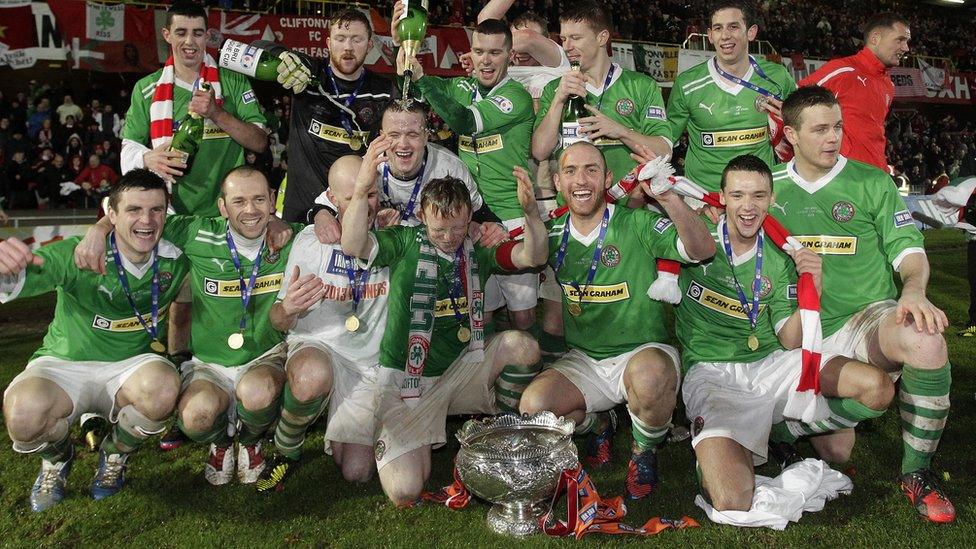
column 870, row 61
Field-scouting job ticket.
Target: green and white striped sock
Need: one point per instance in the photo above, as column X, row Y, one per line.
column 924, row 404
column 511, row 383
column 296, row 415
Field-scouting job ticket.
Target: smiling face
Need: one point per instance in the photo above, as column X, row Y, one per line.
column 187, row 38
column 138, row 219
column 816, row 139
column 408, row 133
column 446, row 232
column 730, row 35
column 747, row 196
column 582, row 179
column 246, row 202
column 348, row 43
column 890, row 44
column 490, row 55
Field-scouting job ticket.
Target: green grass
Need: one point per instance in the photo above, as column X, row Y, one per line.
column 168, row 503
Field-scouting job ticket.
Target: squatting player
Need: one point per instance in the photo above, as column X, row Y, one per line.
column 103, row 352
column 602, row 256
column 851, row 214
column 735, row 323
column 434, row 358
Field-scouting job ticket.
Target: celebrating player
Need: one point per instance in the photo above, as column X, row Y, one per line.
column 602, row 256
column 725, row 102
column 434, row 359
column 852, row 215
column 627, row 107
column 102, row 352
column 493, row 116
column 734, row 323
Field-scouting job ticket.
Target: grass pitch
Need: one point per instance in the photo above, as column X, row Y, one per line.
column 168, row 503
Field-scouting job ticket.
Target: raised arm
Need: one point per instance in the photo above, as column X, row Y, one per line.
column 533, row 251
column 355, row 218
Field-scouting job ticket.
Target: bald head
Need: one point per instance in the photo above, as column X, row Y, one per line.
column 342, row 184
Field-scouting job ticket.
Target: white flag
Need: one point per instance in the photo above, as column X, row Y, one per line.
column 934, row 78
column 106, row 23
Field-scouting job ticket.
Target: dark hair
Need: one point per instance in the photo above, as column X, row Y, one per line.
column 884, row 20
column 244, row 170
column 741, row 5
column 138, row 179
column 495, row 26
column 406, row 106
column 528, row 17
column 445, row 196
column 351, row 15
column 186, row 9
column 747, row 163
column 801, row 99
column 589, row 12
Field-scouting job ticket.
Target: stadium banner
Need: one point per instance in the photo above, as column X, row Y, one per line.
column 958, row 89
column 661, row 62
column 28, row 34
column 623, row 55
column 35, row 237
column 107, row 39
column 689, row 58
column 908, row 82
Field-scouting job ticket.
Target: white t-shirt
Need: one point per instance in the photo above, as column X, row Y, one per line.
column 534, row 78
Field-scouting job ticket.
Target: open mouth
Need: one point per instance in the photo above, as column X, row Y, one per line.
column 487, row 73
column 727, row 48
column 748, row 220
column 189, row 52
column 582, row 195
column 148, row 235
column 251, row 223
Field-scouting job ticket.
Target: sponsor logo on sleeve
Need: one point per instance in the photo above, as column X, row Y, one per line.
column 903, row 219
column 248, row 97
column 656, row 113
column 662, row 225
column 791, row 292
column 503, row 103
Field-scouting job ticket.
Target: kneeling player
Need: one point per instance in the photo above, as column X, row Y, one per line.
column 334, row 313
column 603, row 257
column 733, row 323
column 433, row 356
column 100, row 352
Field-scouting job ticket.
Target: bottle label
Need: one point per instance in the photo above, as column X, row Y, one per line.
column 571, row 133
column 414, row 3
column 240, row 57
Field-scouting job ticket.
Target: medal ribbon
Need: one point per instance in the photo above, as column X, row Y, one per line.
column 150, row 328
column 594, row 262
column 245, row 290
column 357, row 282
column 606, row 84
column 344, row 115
column 455, row 290
column 411, row 204
column 746, row 84
column 752, row 313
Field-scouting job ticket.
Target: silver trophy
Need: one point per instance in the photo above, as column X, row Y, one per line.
column 515, row 463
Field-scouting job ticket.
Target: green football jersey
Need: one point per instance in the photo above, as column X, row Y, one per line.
column 854, row 218
column 196, row 192
column 617, row 315
column 710, row 322
column 632, row 99
column 721, row 118
column 93, row 319
column 399, row 248
column 503, row 138
column 216, row 289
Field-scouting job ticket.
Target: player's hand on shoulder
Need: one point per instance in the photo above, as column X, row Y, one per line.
column 927, row 317
column 293, row 74
column 165, row 163
column 327, row 228
column 467, row 63
column 15, row 256
column 279, row 233
column 90, row 252
column 387, row 217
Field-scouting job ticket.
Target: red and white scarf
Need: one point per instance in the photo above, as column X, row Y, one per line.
column 161, row 109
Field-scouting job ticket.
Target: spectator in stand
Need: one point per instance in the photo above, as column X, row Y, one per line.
column 45, row 136
column 68, row 108
column 74, row 146
column 62, row 132
column 49, row 178
column 16, row 179
column 97, row 180
column 17, row 143
column 108, row 122
column 41, row 113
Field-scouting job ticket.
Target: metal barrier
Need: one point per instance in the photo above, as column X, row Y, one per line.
column 762, row 47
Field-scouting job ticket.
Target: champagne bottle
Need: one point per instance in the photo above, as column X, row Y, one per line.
column 412, row 29
column 95, row 428
column 575, row 109
column 252, row 61
column 190, row 133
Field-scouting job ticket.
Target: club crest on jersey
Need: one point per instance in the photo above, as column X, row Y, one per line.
column 366, row 114
column 662, row 225
column 625, row 107
column 610, row 256
column 165, row 280
column 503, row 103
column 271, row 256
column 417, row 348
column 903, row 219
column 842, row 211
column 765, row 286
column 379, row 450
column 697, row 426
column 655, row 112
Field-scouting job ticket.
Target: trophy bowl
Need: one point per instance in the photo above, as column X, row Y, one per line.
column 514, row 462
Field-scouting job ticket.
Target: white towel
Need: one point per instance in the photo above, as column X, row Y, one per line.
column 803, row 486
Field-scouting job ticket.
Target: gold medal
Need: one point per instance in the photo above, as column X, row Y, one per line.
column 355, row 143
column 753, row 342
column 352, row 323
column 464, row 334
column 235, row 341
column 157, row 346
column 575, row 309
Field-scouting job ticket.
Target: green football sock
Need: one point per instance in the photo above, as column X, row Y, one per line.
column 511, row 383
column 551, row 344
column 588, row 424
column 254, row 423
column 924, row 403
column 56, row 452
column 296, row 415
column 646, row 437
column 844, row 413
column 217, row 434
column 130, row 430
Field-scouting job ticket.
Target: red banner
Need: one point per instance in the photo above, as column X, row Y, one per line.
column 908, row 82
column 107, row 38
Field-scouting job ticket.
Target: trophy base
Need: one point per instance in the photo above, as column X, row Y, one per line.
column 515, row 519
